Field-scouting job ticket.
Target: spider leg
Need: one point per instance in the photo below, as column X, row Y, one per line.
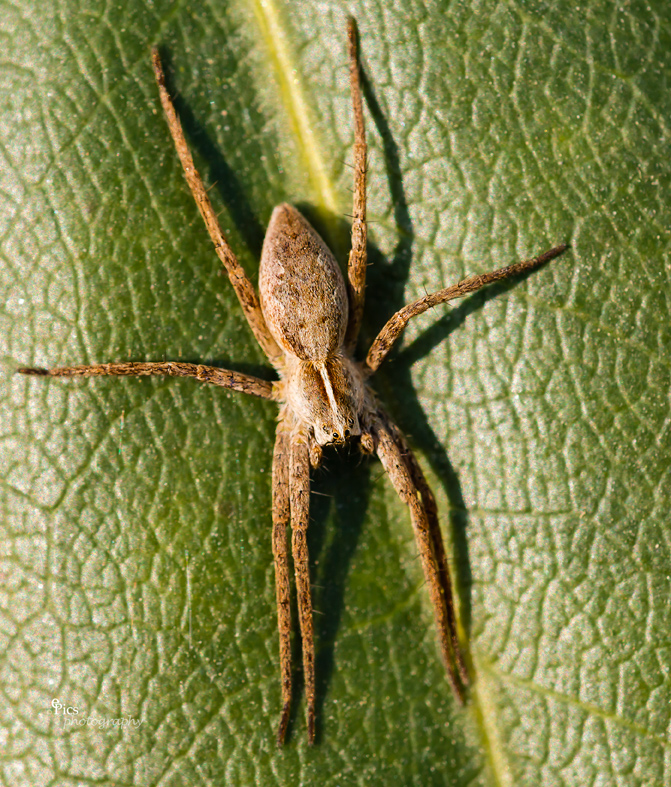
column 392, row 453
column 392, row 330
column 299, row 494
column 315, row 452
column 241, row 284
column 356, row 267
column 429, row 502
column 281, row 518
column 204, row 374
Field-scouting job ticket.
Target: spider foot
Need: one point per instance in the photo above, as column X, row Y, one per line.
column 284, row 723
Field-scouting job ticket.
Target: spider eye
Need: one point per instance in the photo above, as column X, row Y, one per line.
column 336, row 436
column 346, row 432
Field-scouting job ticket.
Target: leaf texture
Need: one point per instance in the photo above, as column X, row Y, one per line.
column 135, row 552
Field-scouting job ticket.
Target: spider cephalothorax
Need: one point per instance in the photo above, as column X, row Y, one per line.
column 328, row 395
column 307, row 322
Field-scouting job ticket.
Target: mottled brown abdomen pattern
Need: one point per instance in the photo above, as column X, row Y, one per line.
column 303, row 294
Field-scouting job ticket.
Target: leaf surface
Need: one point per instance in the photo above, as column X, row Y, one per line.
column 135, row 530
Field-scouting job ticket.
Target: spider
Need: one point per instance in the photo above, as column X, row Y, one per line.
column 307, row 322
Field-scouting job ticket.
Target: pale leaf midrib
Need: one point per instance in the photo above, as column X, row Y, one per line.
column 295, row 102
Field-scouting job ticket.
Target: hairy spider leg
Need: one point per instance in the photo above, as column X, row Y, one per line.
column 392, row 455
column 281, row 518
column 395, row 326
column 299, row 496
column 356, row 266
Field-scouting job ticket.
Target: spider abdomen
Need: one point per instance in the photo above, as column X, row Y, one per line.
column 303, row 294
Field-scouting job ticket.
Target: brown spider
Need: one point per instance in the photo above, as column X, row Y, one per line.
column 307, row 323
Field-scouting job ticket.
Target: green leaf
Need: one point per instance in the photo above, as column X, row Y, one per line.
column 135, row 529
